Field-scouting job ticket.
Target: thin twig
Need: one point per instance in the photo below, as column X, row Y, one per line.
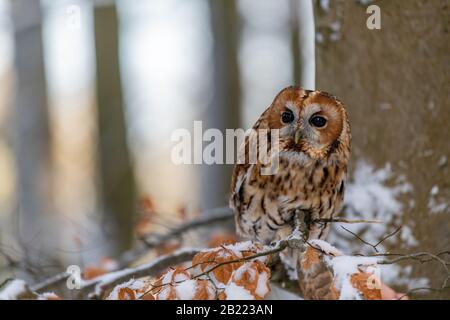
column 387, row 237
column 279, row 247
column 343, row 220
column 97, row 287
column 416, row 256
column 208, row 217
column 373, row 246
column 152, row 241
column 360, row 239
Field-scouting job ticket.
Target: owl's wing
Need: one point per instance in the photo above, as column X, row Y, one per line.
column 240, row 173
column 239, row 176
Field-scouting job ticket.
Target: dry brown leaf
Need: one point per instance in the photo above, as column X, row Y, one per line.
column 206, row 260
column 367, row 285
column 106, row 265
column 177, row 285
column 167, row 280
column 91, row 272
column 205, row 290
column 138, row 289
column 253, row 276
column 126, row 294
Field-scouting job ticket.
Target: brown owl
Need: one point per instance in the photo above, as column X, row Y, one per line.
column 313, row 151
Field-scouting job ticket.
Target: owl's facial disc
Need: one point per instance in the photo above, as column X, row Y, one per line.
column 312, row 122
column 322, row 123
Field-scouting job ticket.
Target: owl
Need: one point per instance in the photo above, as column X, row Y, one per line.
column 312, row 154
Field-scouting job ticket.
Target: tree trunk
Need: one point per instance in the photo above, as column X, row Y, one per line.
column 30, row 126
column 225, row 109
column 295, row 41
column 116, row 176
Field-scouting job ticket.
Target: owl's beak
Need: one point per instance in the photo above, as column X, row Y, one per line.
column 298, row 136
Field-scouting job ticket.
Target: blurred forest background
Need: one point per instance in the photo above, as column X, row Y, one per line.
column 91, row 91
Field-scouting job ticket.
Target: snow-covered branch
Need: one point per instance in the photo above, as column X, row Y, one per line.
column 216, row 270
column 97, row 287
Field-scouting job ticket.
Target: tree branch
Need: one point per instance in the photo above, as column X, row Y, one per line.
column 374, row 246
column 98, row 287
column 152, row 241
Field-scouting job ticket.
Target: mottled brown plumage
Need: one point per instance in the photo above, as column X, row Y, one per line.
column 314, row 149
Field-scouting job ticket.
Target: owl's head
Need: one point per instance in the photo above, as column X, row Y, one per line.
column 312, row 122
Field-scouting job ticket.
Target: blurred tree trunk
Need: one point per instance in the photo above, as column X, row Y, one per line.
column 303, row 43
column 117, row 181
column 295, row 43
column 224, row 111
column 31, row 126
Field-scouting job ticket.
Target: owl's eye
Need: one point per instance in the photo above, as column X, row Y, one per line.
column 318, row 121
column 287, row 116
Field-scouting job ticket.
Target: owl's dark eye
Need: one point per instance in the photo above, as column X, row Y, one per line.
column 318, row 121
column 287, row 116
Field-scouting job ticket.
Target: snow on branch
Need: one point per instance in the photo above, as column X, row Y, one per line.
column 97, row 287
column 238, row 271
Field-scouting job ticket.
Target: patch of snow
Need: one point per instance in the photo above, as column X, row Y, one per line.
column 245, row 268
column 179, row 277
column 407, row 236
column 443, row 160
column 436, row 205
column 319, row 37
column 368, row 196
column 13, row 289
column 434, row 191
column 114, row 276
column 402, row 276
column 364, row 2
column 47, row 296
column 335, row 36
column 164, row 293
column 325, row 247
column 107, row 278
column 262, row 288
column 343, row 268
column 375, row 194
column 347, row 291
column 347, row 265
column 132, row 284
column 335, row 26
column 240, row 247
column 235, row 292
column 324, row 5
column 186, row 289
